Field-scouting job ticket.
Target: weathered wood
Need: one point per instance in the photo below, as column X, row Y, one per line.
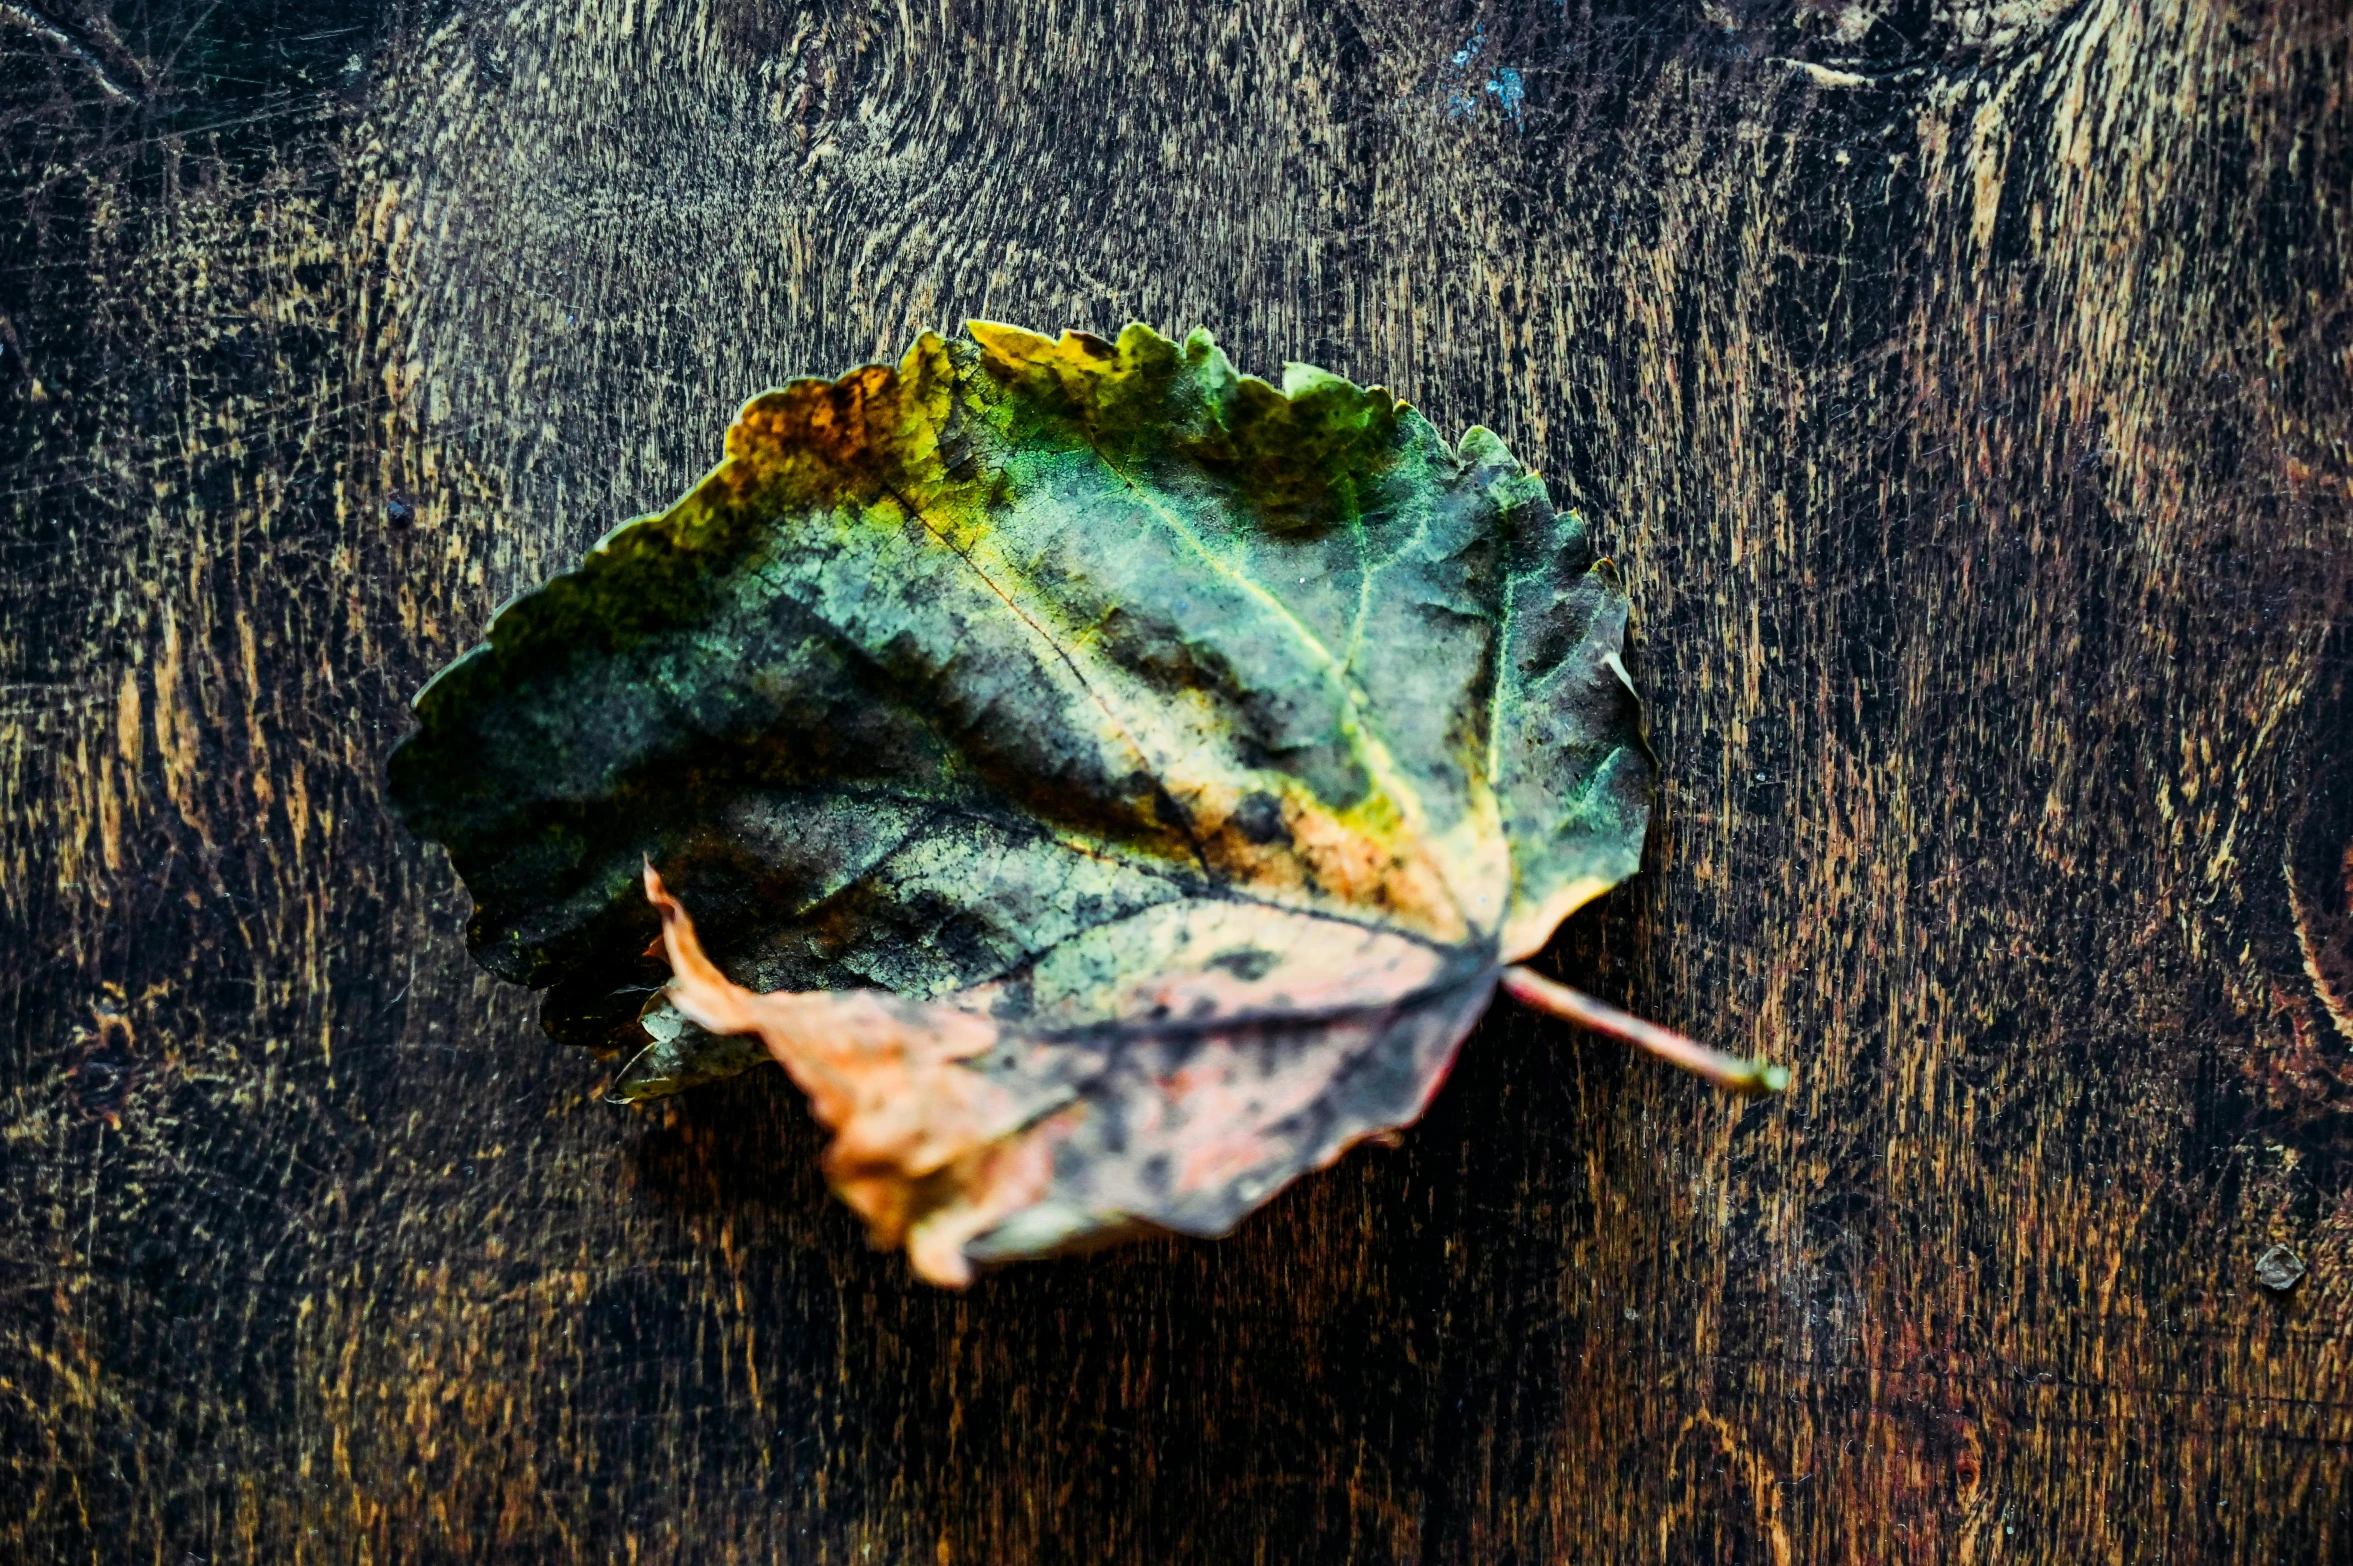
column 1964, row 391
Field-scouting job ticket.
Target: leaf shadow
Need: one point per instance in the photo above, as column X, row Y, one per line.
column 1397, row 1318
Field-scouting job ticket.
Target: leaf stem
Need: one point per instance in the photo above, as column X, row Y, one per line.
column 1729, row 1072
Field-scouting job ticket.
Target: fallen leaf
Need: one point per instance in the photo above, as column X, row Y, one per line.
column 1109, row 785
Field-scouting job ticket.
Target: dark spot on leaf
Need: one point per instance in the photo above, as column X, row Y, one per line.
column 1259, row 818
column 1247, row 963
column 1167, row 812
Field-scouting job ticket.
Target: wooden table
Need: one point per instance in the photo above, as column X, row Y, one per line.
column 1965, row 392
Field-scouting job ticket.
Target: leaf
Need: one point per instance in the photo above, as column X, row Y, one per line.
column 1110, row 785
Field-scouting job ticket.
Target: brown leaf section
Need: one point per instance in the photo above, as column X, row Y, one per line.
column 815, row 442
column 924, row 1149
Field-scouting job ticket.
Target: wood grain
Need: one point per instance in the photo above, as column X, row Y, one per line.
column 1964, row 392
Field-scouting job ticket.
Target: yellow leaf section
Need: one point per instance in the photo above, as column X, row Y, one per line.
column 815, row 444
column 1083, row 374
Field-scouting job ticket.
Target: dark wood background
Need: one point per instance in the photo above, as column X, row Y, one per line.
column 1966, row 390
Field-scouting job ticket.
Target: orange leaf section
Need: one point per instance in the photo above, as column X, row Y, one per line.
column 926, row 1150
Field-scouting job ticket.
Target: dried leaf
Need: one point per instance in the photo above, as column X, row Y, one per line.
column 1111, row 786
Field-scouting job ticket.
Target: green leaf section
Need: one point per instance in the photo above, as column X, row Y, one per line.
column 950, row 664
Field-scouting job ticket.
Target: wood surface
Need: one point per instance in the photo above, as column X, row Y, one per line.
column 1965, row 391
